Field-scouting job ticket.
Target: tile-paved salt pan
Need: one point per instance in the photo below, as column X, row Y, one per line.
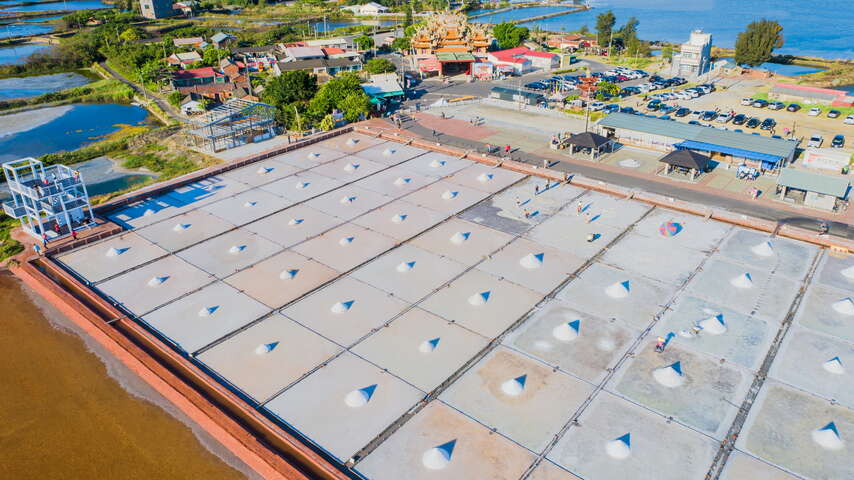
column 205, row 316
column 229, row 252
column 453, row 446
column 400, row 219
column 421, row 348
column 260, row 173
column 293, row 225
column 119, row 253
column 282, row 278
column 445, row 197
column 345, row 310
column 462, row 241
column 344, row 405
column 247, row 206
column 522, row 398
column 185, row 230
column 532, row 265
column 345, row 246
column 268, row 356
column 302, row 186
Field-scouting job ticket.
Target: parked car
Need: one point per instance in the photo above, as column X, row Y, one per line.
column 596, row 106
column 760, row 103
column 666, row 109
column 753, row 122
column 611, row 108
column 708, row 116
column 653, row 105
column 815, row 141
column 693, row 122
column 776, row 106
column 814, row 112
column 682, row 111
column 838, row 141
column 768, row 124
column 833, row 114
column 849, row 120
column 793, row 107
column 739, row 119
column 747, row 101
column 724, row 117
column 696, row 114
column 627, row 110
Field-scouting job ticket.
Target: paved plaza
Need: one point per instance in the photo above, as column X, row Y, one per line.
column 421, row 316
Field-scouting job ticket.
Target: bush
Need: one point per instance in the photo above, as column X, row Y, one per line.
column 379, row 65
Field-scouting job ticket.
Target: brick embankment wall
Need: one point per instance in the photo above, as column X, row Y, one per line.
column 253, row 439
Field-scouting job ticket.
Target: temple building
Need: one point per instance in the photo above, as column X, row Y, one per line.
column 449, row 44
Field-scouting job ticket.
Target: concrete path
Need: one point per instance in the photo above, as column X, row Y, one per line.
column 461, row 136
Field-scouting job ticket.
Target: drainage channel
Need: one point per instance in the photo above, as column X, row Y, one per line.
column 728, row 444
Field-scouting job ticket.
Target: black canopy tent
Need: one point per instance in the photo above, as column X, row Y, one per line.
column 589, row 140
column 689, row 161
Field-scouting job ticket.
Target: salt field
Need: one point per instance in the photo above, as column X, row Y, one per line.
column 410, row 314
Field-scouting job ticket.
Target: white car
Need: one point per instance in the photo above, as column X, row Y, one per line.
column 814, row 112
column 815, row 141
column 747, row 101
column 596, row 106
column 849, row 120
column 724, row 117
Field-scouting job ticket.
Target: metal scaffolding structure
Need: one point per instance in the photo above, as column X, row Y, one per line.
column 51, row 201
column 234, row 123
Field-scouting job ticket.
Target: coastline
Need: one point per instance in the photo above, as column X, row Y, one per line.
column 69, row 295
column 126, row 379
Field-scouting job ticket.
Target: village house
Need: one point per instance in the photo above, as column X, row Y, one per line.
column 197, row 76
column 369, row 9
column 785, row 92
column 183, row 59
column 572, row 42
column 257, row 59
column 191, row 42
column 222, row 40
column 295, row 54
column 185, row 9
column 324, row 68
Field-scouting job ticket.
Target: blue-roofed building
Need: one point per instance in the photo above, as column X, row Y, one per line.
column 722, row 146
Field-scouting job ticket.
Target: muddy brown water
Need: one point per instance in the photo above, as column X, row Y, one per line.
column 68, row 410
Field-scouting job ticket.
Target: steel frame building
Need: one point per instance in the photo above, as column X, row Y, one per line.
column 44, row 197
column 234, row 123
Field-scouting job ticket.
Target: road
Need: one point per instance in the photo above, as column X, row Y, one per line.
column 591, row 171
column 162, row 103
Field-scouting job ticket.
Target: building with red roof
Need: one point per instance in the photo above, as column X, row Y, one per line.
column 523, row 59
column 197, row 76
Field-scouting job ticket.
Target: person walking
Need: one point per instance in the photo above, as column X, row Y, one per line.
column 507, row 149
column 74, row 234
column 44, row 240
column 37, row 249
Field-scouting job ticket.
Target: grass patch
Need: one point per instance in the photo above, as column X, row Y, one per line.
column 9, row 247
column 631, row 62
column 844, row 111
column 101, row 91
column 112, row 143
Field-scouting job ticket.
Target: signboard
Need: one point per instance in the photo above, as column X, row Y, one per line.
column 481, row 70
column 429, row 64
column 825, row 159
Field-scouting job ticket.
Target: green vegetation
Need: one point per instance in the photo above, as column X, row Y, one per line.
column 166, row 168
column 401, row 44
column 101, row 91
column 755, row 45
column 605, row 27
column 606, row 89
column 364, row 42
column 379, row 65
column 8, row 246
column 509, row 35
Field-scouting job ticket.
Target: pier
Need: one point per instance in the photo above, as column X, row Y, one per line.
column 529, row 19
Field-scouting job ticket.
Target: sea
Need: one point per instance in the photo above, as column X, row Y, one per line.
column 70, row 411
column 824, row 28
